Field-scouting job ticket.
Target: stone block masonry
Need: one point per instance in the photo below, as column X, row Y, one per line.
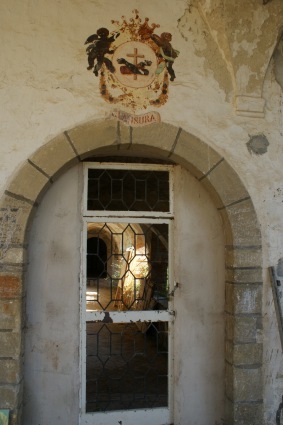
column 243, row 248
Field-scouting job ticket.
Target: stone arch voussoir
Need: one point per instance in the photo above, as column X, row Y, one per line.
column 242, row 233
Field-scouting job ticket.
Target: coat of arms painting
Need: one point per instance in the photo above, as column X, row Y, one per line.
column 135, row 65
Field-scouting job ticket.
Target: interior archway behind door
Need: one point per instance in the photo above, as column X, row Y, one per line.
column 242, row 234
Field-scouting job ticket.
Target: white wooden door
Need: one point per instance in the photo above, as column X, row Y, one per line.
column 127, row 304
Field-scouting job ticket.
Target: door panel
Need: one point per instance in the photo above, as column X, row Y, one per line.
column 199, row 304
column 126, row 321
column 126, row 316
column 126, row 366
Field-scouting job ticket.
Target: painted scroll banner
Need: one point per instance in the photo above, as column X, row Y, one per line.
column 132, row 120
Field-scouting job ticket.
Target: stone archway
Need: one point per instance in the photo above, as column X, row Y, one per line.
column 243, row 247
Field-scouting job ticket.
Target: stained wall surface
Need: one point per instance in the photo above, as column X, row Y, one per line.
column 227, row 92
column 199, row 306
column 51, row 373
column 52, row 337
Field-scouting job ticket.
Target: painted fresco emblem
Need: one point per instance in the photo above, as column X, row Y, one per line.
column 137, row 63
column 134, row 64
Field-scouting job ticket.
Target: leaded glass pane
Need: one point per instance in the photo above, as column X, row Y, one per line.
column 127, row 266
column 128, row 190
column 127, row 366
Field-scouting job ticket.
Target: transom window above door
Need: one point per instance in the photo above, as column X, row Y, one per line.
column 136, row 189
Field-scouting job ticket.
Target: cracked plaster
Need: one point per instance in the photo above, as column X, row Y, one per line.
column 257, row 29
column 46, row 90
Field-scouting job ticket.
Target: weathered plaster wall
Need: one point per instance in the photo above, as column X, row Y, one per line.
column 199, row 303
column 52, row 381
column 225, row 50
column 52, row 338
column 240, row 45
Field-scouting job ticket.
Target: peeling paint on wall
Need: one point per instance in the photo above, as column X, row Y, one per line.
column 226, row 50
column 196, row 32
column 279, row 270
column 278, row 64
column 8, row 224
column 258, row 144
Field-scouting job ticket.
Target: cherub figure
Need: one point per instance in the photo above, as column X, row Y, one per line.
column 97, row 50
column 166, row 52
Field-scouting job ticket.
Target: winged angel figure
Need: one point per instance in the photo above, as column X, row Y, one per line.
column 99, row 46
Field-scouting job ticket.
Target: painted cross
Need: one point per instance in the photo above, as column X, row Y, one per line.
column 135, row 55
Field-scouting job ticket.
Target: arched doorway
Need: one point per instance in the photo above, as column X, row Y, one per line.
column 195, row 248
column 242, row 235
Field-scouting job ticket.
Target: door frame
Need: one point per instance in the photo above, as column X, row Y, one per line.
column 128, row 417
